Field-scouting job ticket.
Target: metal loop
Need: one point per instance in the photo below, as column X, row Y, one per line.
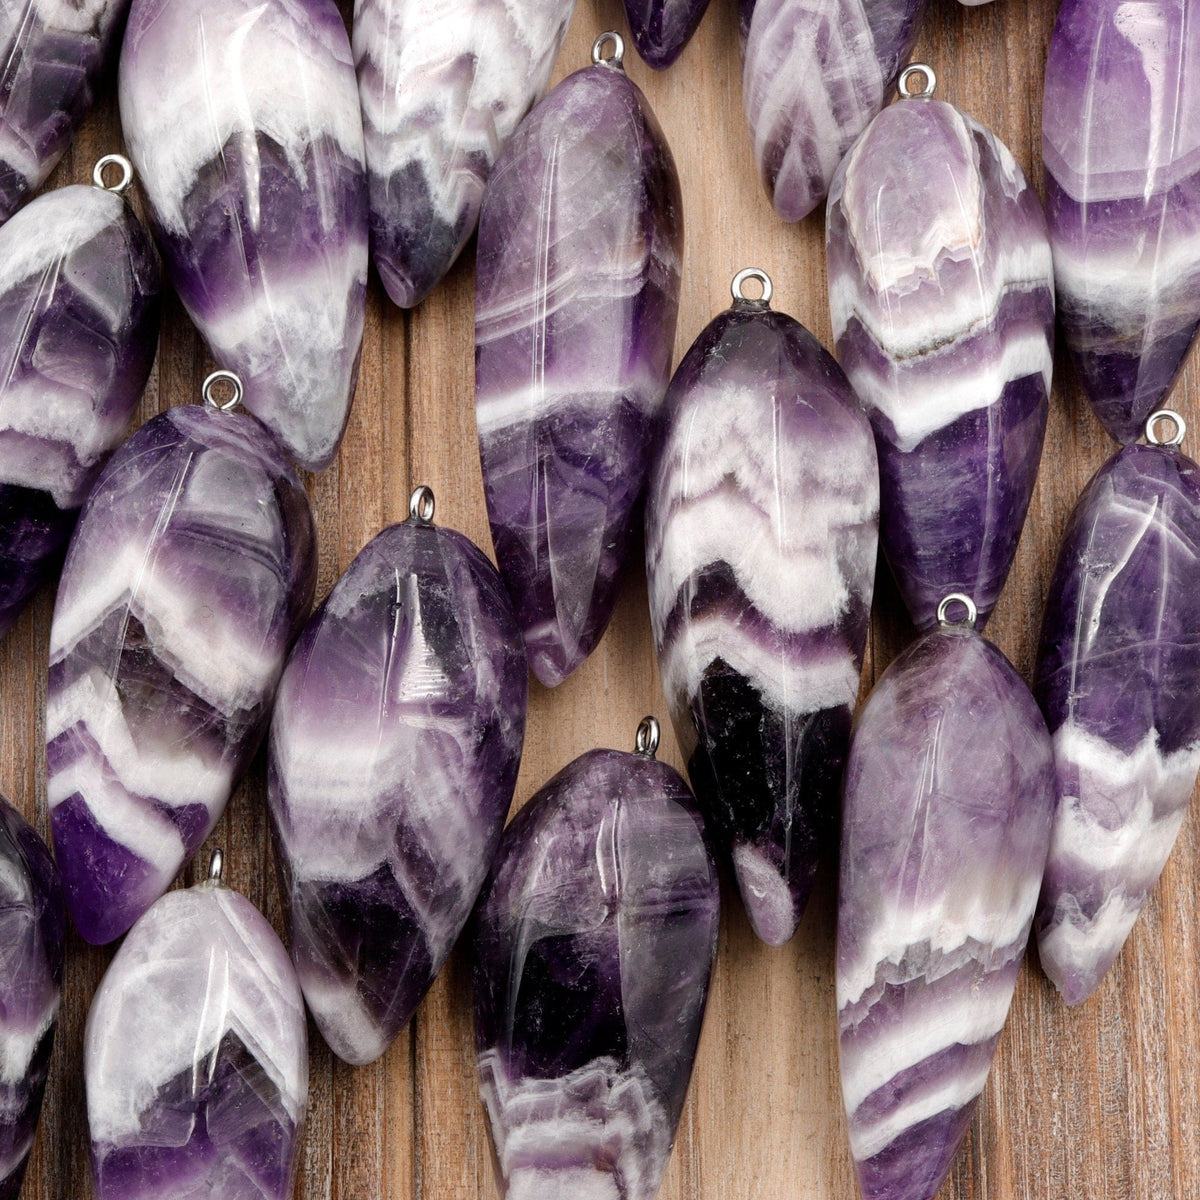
column 1165, row 414
column 616, row 59
column 743, row 277
column 216, row 867
column 909, row 73
column 943, row 610
column 206, row 390
column 421, row 505
column 123, row 184
column 648, row 733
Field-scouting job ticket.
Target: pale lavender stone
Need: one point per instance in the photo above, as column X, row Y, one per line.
column 79, row 308
column 196, row 1057
column 580, row 250
column 1119, row 681
column 949, row 794
column 661, row 28
column 443, row 84
column 1121, row 145
column 594, row 949
column 242, row 119
column 395, row 745
column 51, row 54
column 814, row 73
column 761, row 537
column 941, row 293
column 32, row 928
column 190, row 572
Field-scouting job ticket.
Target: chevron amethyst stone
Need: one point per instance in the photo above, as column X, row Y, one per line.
column 1121, row 145
column 395, row 745
column 767, row 476
column 32, row 928
column 191, row 570
column 661, row 28
column 52, row 53
column 1119, row 681
column 580, row 247
column 948, row 800
column 594, row 949
column 195, row 1056
column 79, row 314
column 242, row 119
column 941, row 292
column 814, row 73
column 443, row 84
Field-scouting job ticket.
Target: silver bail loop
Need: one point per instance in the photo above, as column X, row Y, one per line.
column 208, row 391
column 967, row 621
column 912, row 72
column 616, row 59
column 648, row 734
column 737, row 288
column 124, row 179
column 216, row 868
column 1165, row 414
column 421, row 506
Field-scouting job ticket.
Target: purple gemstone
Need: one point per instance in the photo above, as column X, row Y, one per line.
column 948, row 799
column 52, row 52
column 443, row 84
column 191, row 570
column 195, row 1056
column 580, row 247
column 661, row 28
column 814, row 73
column 767, row 476
column 32, row 927
column 1119, row 681
column 1121, row 144
column 941, row 292
column 394, row 751
column 79, row 312
column 242, row 119
column 595, row 946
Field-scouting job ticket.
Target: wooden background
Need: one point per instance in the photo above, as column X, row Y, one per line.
column 1097, row 1104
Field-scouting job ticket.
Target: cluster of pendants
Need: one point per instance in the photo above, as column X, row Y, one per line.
column 769, row 474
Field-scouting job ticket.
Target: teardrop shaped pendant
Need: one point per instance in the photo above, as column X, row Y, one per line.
column 594, row 947
column 189, row 574
column 767, row 476
column 395, row 745
column 580, row 247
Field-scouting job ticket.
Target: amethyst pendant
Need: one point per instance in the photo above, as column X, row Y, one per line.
column 443, row 84
column 1120, row 142
column 394, row 751
column 79, row 325
column 661, row 28
column 242, row 119
column 941, row 292
column 32, row 925
column 580, row 245
column 195, row 1055
column 948, row 802
column 595, row 946
column 767, row 476
column 1119, row 681
column 190, row 572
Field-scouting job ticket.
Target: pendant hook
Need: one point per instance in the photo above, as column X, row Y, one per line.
column 911, row 73
column 216, row 868
column 648, row 734
column 124, row 180
column 1165, row 414
column 208, row 392
column 616, row 59
column 421, row 506
column 970, row 611
column 737, row 287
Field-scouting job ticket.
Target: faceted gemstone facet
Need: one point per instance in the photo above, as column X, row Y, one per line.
column 79, row 311
column 948, row 800
column 195, row 1056
column 595, row 944
column 1119, row 682
column 242, row 119
column 52, row 53
column 191, row 570
column 814, row 73
column 941, row 292
column 443, row 84
column 1121, row 146
column 394, row 751
column 761, row 536
column 661, row 28
column 32, row 926
column 580, row 246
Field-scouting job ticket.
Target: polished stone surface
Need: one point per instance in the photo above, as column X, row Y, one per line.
column 661, row 28
column 941, row 293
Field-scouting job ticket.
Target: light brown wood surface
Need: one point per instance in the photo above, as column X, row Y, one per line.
column 1102, row 1103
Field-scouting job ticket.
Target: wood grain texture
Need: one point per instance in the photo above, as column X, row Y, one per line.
column 1100, row 1104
